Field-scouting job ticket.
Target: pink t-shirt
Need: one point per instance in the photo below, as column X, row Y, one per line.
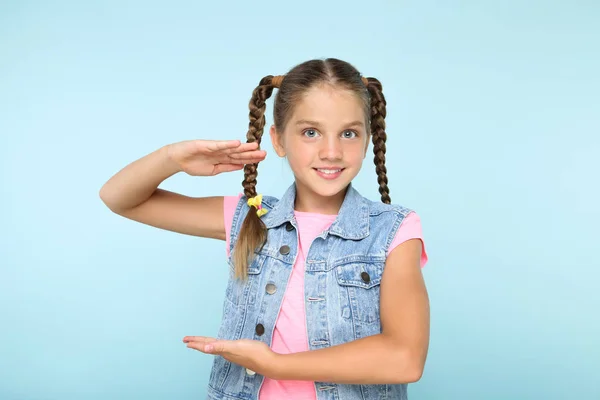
column 290, row 334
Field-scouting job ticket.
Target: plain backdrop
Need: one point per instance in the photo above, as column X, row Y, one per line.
column 493, row 125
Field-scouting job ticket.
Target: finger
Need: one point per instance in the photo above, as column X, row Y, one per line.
column 246, row 158
column 240, row 163
column 198, row 338
column 198, row 342
column 200, row 346
column 249, row 159
column 220, row 145
column 218, row 347
column 209, row 347
column 243, row 161
column 241, row 148
column 249, row 155
column 220, row 168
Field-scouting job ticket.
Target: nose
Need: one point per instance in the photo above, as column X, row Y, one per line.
column 331, row 148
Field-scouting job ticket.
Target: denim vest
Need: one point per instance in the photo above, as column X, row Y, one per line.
column 344, row 266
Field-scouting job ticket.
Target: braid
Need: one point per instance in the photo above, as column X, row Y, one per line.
column 256, row 126
column 253, row 232
column 378, row 113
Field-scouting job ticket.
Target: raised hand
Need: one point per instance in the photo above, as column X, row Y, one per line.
column 212, row 157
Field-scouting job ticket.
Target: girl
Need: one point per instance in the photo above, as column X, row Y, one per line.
column 326, row 298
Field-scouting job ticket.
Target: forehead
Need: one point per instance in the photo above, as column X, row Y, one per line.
column 329, row 105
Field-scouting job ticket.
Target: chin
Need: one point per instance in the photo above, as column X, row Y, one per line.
column 330, row 190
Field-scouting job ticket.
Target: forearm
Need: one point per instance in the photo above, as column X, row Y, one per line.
column 135, row 183
column 373, row 360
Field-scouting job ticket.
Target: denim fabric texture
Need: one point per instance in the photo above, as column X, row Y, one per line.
column 344, row 265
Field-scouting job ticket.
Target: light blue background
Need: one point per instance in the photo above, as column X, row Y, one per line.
column 493, row 125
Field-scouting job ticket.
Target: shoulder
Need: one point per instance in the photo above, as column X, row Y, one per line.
column 382, row 210
column 231, row 202
column 269, row 201
column 387, row 219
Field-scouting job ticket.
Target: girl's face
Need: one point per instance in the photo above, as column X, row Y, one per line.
column 325, row 142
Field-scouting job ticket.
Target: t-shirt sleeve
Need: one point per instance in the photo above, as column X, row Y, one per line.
column 229, row 205
column 410, row 228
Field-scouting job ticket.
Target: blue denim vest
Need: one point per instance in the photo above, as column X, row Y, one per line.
column 344, row 265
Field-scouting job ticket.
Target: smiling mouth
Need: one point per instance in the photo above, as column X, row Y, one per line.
column 329, row 170
column 329, row 173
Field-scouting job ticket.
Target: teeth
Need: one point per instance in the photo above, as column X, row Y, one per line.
column 329, row 171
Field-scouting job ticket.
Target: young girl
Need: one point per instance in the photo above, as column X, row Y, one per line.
column 326, row 298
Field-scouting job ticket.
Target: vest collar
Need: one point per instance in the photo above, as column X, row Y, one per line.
column 352, row 221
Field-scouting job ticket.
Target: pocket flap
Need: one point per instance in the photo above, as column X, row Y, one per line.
column 359, row 274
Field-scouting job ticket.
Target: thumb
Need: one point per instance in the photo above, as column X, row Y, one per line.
column 217, row 347
column 219, row 168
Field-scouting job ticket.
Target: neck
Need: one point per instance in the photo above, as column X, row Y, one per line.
column 308, row 201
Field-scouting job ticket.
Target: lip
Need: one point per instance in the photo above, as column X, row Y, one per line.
column 329, row 176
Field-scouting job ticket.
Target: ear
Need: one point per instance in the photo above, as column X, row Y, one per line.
column 277, row 141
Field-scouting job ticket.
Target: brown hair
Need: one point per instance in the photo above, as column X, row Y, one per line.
column 292, row 86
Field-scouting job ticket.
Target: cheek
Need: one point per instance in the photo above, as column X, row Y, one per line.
column 356, row 154
column 298, row 158
column 298, row 153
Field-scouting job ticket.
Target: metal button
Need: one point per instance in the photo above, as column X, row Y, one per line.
column 260, row 329
column 285, row 249
column 271, row 288
column 289, row 227
column 365, row 277
column 250, row 372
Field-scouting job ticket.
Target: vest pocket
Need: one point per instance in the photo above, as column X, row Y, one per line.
column 359, row 285
column 241, row 292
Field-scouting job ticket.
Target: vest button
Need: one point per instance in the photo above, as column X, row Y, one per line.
column 250, row 372
column 271, row 288
column 365, row 277
column 260, row 329
column 285, row 249
column 289, row 227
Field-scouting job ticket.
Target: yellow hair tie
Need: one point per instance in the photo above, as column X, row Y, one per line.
column 256, row 202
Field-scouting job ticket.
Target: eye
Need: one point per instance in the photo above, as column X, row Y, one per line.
column 349, row 134
column 311, row 133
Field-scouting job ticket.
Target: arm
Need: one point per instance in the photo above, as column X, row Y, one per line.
column 133, row 192
column 397, row 355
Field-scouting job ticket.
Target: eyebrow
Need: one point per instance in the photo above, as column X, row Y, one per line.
column 315, row 123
